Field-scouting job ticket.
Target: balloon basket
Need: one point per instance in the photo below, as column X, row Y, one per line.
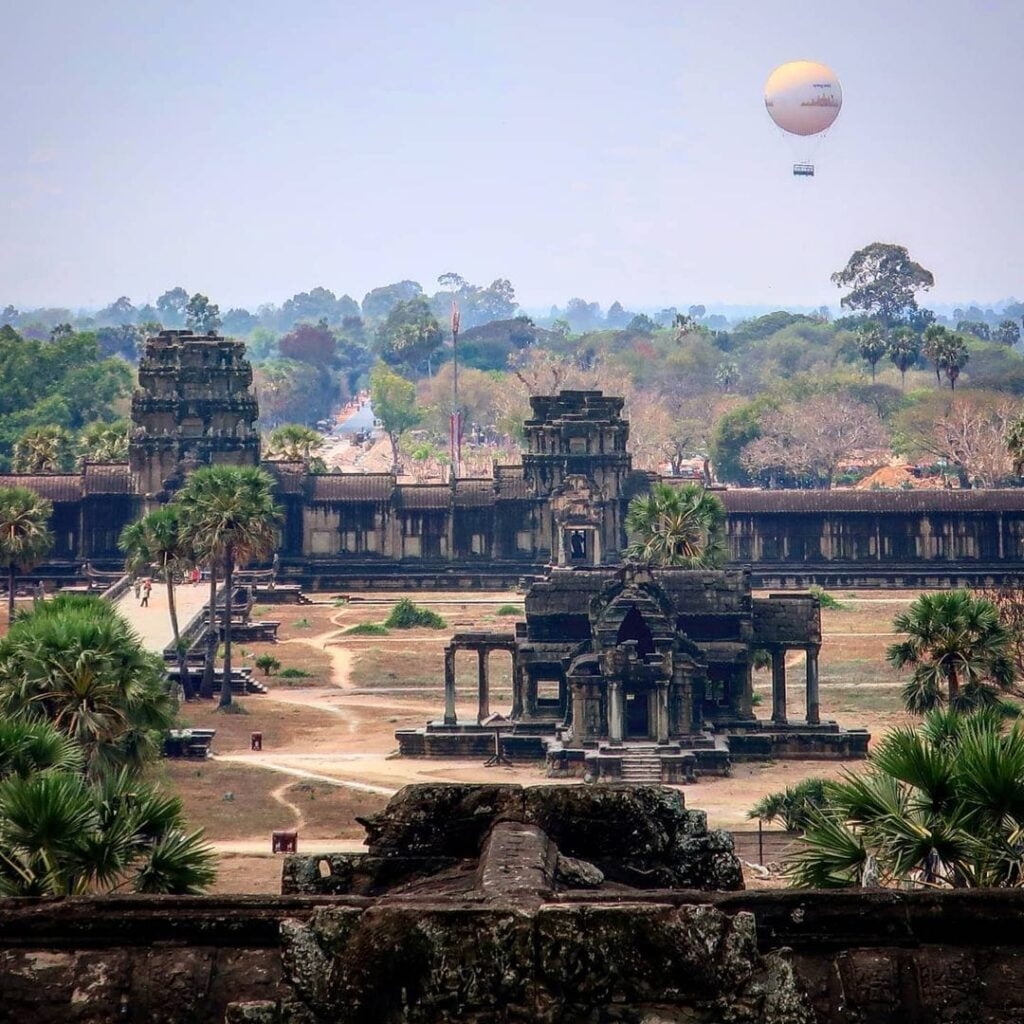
column 803, row 170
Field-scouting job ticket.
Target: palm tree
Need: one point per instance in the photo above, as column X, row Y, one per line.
column 904, row 348
column 872, row 344
column 958, row 649
column 677, row 526
column 42, row 450
column 25, row 536
column 953, row 356
column 937, row 806
column 76, row 663
column 295, row 442
column 935, row 336
column 231, row 518
column 158, row 539
column 64, row 834
column 104, row 442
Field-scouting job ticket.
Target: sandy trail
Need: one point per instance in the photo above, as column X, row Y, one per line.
column 279, row 795
column 282, row 763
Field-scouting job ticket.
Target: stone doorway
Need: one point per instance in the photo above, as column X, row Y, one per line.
column 638, row 719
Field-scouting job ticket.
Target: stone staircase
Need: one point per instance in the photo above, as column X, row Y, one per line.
column 641, row 766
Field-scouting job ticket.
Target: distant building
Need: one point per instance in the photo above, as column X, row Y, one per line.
column 564, row 505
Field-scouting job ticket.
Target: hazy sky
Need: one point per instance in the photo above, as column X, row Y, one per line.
column 602, row 148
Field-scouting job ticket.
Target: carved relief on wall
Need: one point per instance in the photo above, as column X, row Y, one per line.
column 577, row 501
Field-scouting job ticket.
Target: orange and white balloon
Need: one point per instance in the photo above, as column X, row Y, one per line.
column 803, row 97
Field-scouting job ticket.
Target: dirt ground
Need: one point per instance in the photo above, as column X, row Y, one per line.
column 328, row 725
column 328, row 735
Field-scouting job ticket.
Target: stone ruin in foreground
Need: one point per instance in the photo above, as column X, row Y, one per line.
column 503, row 905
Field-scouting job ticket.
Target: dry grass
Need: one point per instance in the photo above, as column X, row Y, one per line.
column 285, row 727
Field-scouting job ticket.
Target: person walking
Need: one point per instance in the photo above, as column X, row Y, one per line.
column 137, row 584
column 147, row 586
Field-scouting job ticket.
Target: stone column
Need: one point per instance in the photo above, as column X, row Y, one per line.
column 661, row 702
column 779, row 687
column 579, row 716
column 449, row 686
column 813, row 710
column 484, row 683
column 615, row 713
column 517, row 689
column 684, row 722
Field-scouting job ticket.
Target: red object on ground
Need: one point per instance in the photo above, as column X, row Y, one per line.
column 284, row 841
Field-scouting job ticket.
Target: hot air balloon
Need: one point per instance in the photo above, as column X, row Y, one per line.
column 803, row 98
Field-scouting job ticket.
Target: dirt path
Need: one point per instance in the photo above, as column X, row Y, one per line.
column 282, row 764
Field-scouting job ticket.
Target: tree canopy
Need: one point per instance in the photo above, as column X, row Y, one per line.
column 883, row 281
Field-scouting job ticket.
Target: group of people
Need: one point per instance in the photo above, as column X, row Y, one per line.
column 144, row 585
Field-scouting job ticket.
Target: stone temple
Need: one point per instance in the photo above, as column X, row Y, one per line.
column 644, row 675
column 563, row 505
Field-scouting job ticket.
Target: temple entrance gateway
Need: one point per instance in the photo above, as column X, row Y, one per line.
column 638, row 716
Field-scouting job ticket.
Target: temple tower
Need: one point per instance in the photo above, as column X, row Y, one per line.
column 577, row 459
column 194, row 407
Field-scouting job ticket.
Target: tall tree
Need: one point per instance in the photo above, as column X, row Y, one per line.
column 75, row 662
column 1008, row 332
column 410, row 335
column 394, row 403
column 811, row 438
column 104, row 442
column 883, row 281
column 295, row 442
column 231, row 519
column 380, row 301
column 934, row 341
column 171, row 306
column 958, row 649
column 904, row 347
column 202, row 315
column 309, row 343
column 159, row 539
column 25, row 536
column 43, row 450
column 953, row 356
column 677, row 526
column 872, row 344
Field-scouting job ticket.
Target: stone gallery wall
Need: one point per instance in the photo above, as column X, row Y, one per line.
column 657, row 956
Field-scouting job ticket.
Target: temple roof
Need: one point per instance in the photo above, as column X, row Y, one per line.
column 107, row 478
column 352, row 486
column 474, row 493
column 424, row 496
column 54, row 486
column 882, row 502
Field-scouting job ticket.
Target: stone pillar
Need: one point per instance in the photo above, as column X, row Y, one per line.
column 579, row 716
column 684, row 690
column 813, row 710
column 449, row 686
column 661, row 702
column 779, row 687
column 484, row 684
column 615, row 713
column 518, row 697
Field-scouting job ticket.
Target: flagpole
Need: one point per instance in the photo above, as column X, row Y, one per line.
column 455, row 427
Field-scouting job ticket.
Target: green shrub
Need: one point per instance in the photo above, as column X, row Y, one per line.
column 509, row 609
column 793, row 805
column 294, row 673
column 762, row 659
column 268, row 664
column 826, row 599
column 368, row 629
column 406, row 615
column 303, row 624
